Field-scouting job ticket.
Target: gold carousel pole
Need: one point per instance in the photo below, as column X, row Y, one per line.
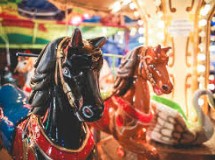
column 207, row 52
column 196, row 43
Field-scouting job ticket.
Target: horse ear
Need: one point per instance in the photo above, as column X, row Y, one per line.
column 166, row 49
column 158, row 49
column 98, row 42
column 76, row 40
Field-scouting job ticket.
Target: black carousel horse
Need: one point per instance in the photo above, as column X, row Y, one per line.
column 65, row 95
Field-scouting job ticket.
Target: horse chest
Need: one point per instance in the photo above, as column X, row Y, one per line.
column 35, row 145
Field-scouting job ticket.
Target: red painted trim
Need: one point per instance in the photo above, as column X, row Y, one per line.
column 49, row 148
column 142, row 117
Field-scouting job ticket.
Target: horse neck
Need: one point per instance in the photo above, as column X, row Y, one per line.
column 138, row 95
column 142, row 95
column 61, row 125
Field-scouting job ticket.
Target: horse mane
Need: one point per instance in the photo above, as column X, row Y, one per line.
column 43, row 78
column 125, row 73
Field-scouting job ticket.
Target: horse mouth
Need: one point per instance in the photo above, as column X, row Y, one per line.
column 157, row 90
column 161, row 90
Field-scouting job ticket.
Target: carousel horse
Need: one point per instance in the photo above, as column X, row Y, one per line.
column 172, row 127
column 65, row 95
column 25, row 66
column 128, row 112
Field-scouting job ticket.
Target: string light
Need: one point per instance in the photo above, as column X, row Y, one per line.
column 133, row 31
column 136, row 14
column 76, row 20
column 201, row 68
column 202, row 22
column 141, row 40
column 116, row 7
column 132, row 6
column 126, row 2
column 201, row 57
column 141, row 30
column 140, row 22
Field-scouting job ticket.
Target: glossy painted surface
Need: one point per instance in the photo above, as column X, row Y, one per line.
column 36, row 138
column 13, row 109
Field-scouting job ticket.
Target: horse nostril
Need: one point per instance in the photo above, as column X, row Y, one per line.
column 165, row 87
column 87, row 111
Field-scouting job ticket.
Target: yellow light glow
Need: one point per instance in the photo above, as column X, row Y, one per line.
column 136, row 14
column 141, row 40
column 140, row 22
column 211, row 86
column 211, row 77
column 126, row 2
column 202, row 22
column 201, row 57
column 133, row 31
column 132, row 6
column 201, row 68
column 141, row 30
column 202, row 34
column 116, row 7
column 205, row 10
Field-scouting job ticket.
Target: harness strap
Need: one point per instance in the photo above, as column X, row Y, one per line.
column 67, row 90
column 134, row 113
column 145, row 66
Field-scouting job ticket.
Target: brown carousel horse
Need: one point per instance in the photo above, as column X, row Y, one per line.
column 65, row 95
column 128, row 111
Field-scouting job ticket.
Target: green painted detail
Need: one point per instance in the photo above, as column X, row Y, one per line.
column 1, row 41
column 170, row 104
column 3, row 2
column 16, row 38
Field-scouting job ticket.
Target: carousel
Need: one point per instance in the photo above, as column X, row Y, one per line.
column 107, row 80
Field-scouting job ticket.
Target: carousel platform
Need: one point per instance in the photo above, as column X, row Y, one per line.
column 108, row 150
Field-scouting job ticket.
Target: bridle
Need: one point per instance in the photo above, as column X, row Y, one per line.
column 143, row 64
column 66, row 88
column 86, row 111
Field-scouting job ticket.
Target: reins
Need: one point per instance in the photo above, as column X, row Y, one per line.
column 67, row 90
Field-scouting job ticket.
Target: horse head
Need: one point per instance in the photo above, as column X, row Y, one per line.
column 76, row 64
column 147, row 63
column 80, row 70
column 25, row 64
column 152, row 67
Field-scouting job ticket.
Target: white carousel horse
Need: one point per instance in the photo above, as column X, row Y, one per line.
column 171, row 126
column 26, row 66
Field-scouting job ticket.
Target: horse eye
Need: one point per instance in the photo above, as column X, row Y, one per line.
column 66, row 72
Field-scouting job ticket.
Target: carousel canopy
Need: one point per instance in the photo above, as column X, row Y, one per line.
column 30, row 23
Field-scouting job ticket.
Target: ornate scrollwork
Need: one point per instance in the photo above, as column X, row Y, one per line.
column 172, row 9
